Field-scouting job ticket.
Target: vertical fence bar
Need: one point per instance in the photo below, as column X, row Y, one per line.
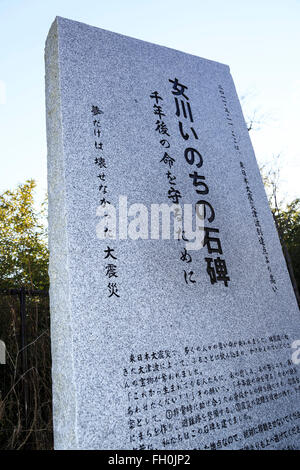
column 22, row 297
column 23, row 345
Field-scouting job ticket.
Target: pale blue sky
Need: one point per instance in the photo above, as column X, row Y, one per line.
column 259, row 39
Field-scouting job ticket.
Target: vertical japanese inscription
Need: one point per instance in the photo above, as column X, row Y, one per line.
column 250, row 196
column 174, row 194
column 215, row 266
column 179, row 397
column 109, row 254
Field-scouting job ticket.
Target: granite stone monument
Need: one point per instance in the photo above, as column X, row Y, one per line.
column 170, row 329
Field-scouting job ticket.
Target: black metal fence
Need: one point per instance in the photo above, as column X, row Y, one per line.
column 25, row 379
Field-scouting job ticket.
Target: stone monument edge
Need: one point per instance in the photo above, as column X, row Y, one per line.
column 61, row 19
column 64, row 391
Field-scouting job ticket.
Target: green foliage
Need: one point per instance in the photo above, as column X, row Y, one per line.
column 288, row 222
column 24, row 263
column 287, row 218
column 23, row 240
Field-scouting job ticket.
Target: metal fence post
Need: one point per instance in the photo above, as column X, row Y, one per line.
column 21, row 293
column 22, row 297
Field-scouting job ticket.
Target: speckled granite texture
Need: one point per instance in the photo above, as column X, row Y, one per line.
column 170, row 363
